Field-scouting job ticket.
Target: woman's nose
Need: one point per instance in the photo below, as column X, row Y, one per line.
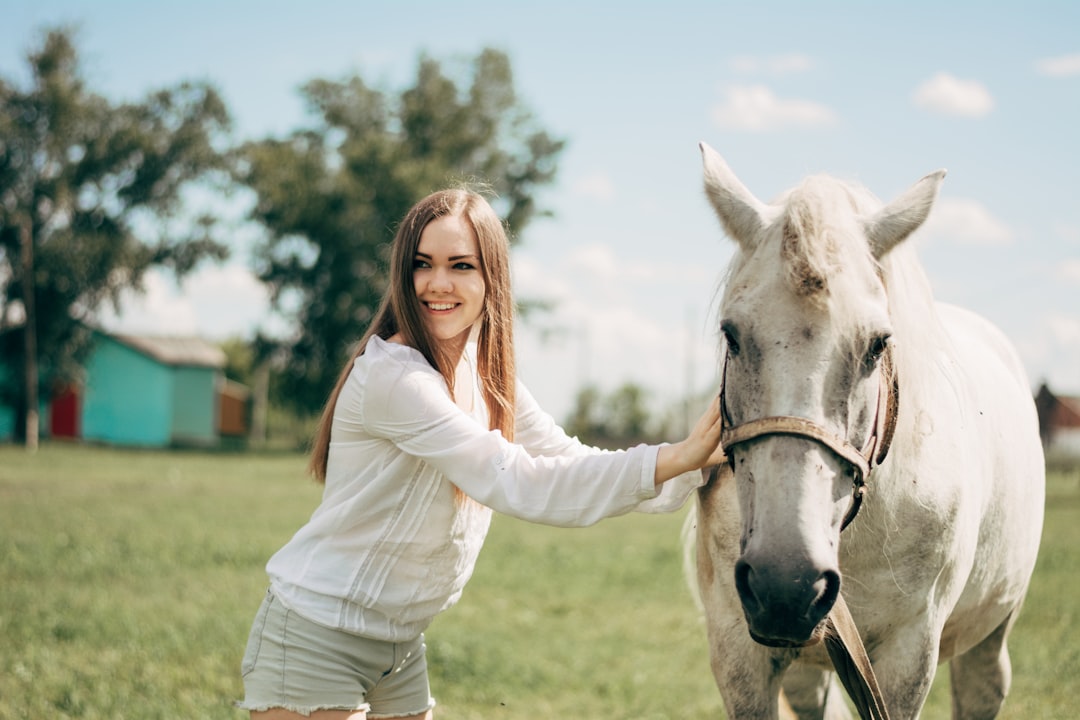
column 440, row 281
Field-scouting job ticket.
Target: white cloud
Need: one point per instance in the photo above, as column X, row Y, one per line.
column 1064, row 330
column 617, row 319
column 756, row 108
column 946, row 94
column 228, row 300
column 532, row 280
column 597, row 186
column 1068, row 232
column 215, row 302
column 602, row 262
column 785, row 64
column 1070, row 270
column 967, row 222
column 158, row 310
column 1060, row 66
column 594, row 260
column 1049, row 346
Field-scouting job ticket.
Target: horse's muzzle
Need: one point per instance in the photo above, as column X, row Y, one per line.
column 816, row 636
column 785, row 609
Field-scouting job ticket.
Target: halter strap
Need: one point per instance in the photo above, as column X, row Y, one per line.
column 801, row 427
column 861, row 461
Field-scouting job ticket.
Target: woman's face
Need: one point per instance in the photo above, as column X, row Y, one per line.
column 448, row 278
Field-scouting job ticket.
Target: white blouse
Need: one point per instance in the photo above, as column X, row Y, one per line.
column 392, row 544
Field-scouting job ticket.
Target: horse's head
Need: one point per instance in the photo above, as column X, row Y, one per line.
column 806, row 321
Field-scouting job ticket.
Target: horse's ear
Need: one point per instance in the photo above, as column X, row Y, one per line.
column 889, row 226
column 741, row 214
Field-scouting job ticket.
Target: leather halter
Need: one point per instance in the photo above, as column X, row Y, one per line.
column 862, row 461
column 842, row 639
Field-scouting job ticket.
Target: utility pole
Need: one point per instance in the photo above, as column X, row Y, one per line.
column 688, row 389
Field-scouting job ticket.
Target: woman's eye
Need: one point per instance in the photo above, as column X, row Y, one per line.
column 419, row 264
column 464, row 266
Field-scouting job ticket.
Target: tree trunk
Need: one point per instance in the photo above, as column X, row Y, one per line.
column 29, row 335
column 260, row 403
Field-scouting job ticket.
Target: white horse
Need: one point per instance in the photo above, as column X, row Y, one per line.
column 833, row 344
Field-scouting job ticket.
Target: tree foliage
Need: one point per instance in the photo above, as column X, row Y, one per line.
column 617, row 419
column 83, row 175
column 330, row 195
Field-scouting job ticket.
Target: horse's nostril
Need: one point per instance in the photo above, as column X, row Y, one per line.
column 828, row 588
column 743, row 584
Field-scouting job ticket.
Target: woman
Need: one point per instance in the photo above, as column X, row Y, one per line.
column 425, row 433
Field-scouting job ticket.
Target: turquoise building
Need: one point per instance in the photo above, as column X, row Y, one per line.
column 149, row 391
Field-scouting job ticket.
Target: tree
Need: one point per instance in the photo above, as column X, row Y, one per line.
column 628, row 414
column 330, row 195
column 78, row 175
column 586, row 419
column 614, row 420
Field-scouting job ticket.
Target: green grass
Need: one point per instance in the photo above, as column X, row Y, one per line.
column 128, row 581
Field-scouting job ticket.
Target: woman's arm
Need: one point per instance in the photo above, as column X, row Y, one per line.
column 408, row 405
column 541, row 435
column 701, row 448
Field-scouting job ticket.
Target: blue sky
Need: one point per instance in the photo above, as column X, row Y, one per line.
column 881, row 93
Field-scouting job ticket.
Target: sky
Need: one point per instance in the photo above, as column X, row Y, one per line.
column 881, row 93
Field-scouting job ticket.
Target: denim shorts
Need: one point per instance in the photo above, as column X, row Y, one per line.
column 298, row 665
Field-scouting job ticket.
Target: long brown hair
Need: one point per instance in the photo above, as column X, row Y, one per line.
column 399, row 312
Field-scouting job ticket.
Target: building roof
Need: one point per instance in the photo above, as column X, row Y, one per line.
column 179, row 351
column 1067, row 412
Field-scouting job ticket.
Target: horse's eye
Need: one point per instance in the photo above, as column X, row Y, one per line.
column 731, row 338
column 877, row 348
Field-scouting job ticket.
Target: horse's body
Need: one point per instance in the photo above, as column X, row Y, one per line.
column 936, row 564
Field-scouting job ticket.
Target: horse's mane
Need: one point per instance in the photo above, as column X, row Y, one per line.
column 814, row 232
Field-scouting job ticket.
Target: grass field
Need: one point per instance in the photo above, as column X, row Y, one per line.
column 128, row 581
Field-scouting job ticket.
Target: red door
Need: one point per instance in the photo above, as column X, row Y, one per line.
column 64, row 413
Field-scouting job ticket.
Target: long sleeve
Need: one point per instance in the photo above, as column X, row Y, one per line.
column 413, row 410
column 541, row 435
column 673, row 493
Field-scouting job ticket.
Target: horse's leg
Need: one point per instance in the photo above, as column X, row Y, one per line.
column 980, row 678
column 905, row 667
column 747, row 674
column 748, row 678
column 814, row 694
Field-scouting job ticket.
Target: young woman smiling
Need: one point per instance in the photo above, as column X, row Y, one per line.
column 426, row 433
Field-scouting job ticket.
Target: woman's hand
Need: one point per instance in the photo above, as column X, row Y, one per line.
column 700, row 449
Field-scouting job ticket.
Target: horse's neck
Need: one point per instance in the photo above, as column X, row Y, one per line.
column 922, row 344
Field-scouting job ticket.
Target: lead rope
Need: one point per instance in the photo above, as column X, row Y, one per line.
column 852, row 664
column 842, row 638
